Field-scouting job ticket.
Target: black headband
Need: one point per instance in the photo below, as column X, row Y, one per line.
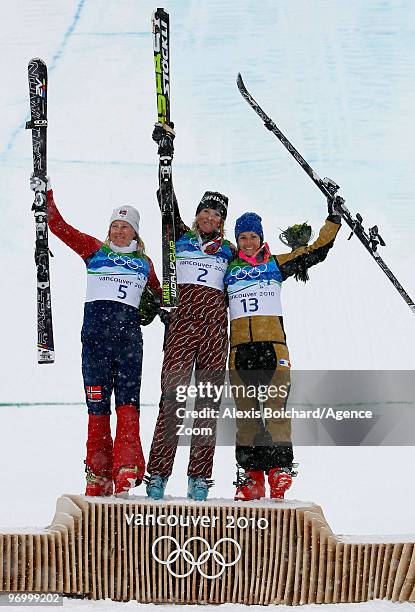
column 215, row 200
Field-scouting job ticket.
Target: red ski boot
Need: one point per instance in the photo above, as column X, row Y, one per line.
column 129, row 465
column 250, row 485
column 126, row 479
column 98, row 463
column 279, row 482
column 97, row 486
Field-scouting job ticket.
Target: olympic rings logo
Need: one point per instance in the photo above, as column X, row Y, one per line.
column 251, row 271
column 125, row 260
column 200, row 561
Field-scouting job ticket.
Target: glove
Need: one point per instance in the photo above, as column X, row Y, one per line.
column 37, row 184
column 334, row 208
column 165, row 316
column 164, row 134
column 163, row 129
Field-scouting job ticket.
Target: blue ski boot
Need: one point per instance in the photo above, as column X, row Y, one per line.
column 198, row 487
column 156, row 485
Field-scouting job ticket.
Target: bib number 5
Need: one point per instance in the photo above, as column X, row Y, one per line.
column 122, row 293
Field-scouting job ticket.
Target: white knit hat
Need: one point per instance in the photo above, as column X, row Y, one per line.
column 128, row 214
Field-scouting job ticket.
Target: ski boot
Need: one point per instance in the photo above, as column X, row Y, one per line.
column 129, row 465
column 126, row 479
column 249, row 485
column 97, row 486
column 198, row 487
column 98, row 462
column 155, row 486
column 280, row 480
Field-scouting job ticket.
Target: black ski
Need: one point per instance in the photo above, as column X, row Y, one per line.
column 38, row 83
column 161, row 47
column 370, row 239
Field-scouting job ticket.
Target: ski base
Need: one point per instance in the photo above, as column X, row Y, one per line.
column 38, row 84
column 161, row 49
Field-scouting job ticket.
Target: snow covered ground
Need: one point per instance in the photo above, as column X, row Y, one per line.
column 337, row 78
column 373, row 606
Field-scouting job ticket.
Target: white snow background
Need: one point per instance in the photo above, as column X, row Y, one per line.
column 337, row 78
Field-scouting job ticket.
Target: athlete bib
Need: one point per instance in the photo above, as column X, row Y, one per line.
column 195, row 267
column 254, row 290
column 117, row 277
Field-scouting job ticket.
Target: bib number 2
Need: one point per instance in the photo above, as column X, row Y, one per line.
column 203, row 273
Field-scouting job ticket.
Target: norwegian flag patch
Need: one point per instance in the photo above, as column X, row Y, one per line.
column 284, row 362
column 94, row 394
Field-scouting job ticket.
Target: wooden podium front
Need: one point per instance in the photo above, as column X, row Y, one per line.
column 219, row 551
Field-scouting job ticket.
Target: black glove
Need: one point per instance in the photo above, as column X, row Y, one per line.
column 165, row 316
column 149, row 306
column 163, row 129
column 334, row 208
column 164, row 134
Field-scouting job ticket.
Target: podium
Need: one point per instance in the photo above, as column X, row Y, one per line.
column 219, row 551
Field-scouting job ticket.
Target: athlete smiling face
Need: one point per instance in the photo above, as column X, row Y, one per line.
column 121, row 233
column 208, row 220
column 249, row 243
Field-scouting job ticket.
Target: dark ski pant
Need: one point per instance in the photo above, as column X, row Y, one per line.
column 112, row 363
column 190, row 342
column 261, row 444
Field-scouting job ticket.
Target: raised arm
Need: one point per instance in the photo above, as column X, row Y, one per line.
column 307, row 256
column 163, row 135
column 81, row 243
column 180, row 226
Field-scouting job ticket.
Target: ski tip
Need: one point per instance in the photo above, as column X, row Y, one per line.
column 240, row 82
column 37, row 59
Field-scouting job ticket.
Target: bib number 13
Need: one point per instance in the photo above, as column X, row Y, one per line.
column 250, row 304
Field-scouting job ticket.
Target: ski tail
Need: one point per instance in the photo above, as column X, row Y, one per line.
column 370, row 238
column 38, row 87
column 161, row 48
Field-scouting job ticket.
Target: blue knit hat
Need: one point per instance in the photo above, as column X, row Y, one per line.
column 249, row 222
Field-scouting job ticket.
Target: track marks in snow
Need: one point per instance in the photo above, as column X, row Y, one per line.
column 51, row 66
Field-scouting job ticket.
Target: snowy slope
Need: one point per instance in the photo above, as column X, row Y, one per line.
column 337, row 78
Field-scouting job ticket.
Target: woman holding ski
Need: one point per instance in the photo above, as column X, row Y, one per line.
column 118, row 271
column 259, row 354
column 197, row 337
